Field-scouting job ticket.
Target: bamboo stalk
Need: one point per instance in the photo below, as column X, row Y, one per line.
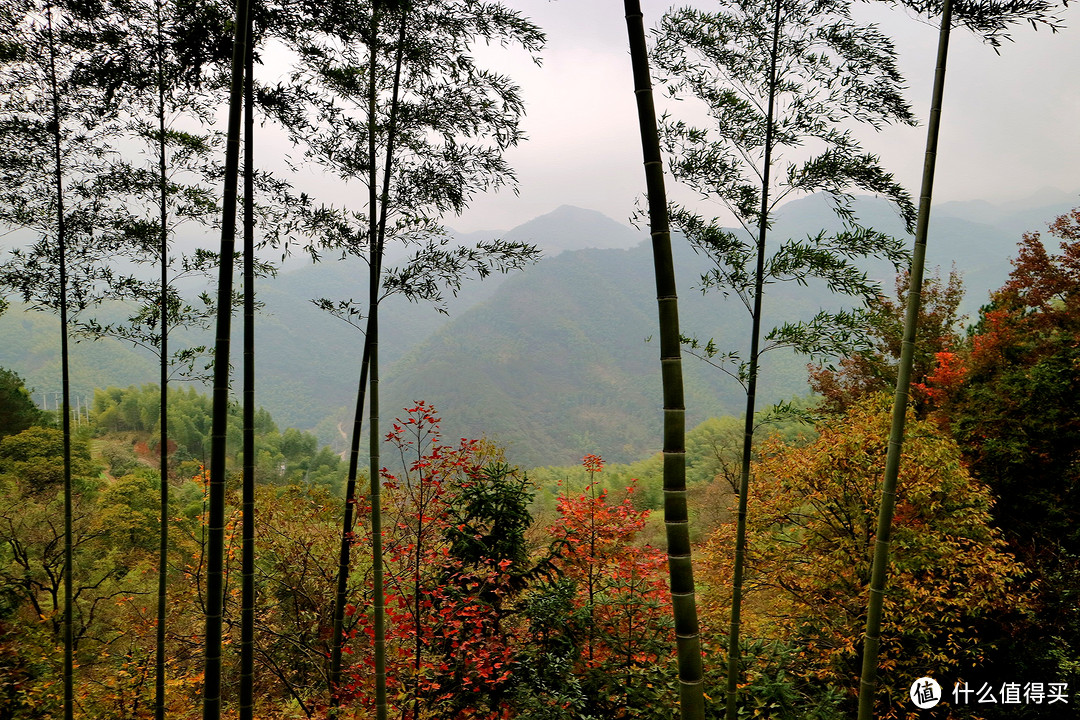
column 868, row 679
column 163, row 549
column 247, row 590
column 219, row 422
column 734, row 653
column 688, row 642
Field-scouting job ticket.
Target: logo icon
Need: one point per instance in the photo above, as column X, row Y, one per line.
column 925, row 693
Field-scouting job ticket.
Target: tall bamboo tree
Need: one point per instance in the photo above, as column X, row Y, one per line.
column 751, row 382
column 163, row 443
column 247, row 593
column 676, row 519
column 989, row 19
column 460, row 119
column 216, row 499
column 774, row 76
column 871, row 641
column 69, row 642
column 43, row 50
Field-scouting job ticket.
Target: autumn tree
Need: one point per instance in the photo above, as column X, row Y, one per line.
column 991, row 21
column 456, row 559
column 873, row 369
column 954, row 584
column 1015, row 415
column 106, row 573
column 623, row 635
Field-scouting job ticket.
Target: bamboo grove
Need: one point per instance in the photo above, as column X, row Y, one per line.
column 164, row 561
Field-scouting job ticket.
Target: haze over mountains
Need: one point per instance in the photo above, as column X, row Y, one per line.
column 554, row 361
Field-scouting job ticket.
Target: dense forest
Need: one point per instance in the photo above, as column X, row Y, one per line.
column 904, row 537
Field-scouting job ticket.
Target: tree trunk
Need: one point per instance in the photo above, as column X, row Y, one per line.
column 868, row 681
column 372, row 341
column 247, row 591
column 219, row 423
column 734, row 652
column 163, row 549
column 338, row 637
column 692, row 703
column 65, row 384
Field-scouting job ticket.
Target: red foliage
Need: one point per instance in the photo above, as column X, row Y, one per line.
column 944, row 380
column 447, row 648
column 622, row 584
column 1040, row 301
column 875, row 370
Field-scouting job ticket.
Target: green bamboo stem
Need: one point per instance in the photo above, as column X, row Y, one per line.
column 688, row 643
column 163, row 548
column 247, row 590
column 868, row 680
column 734, row 652
column 378, row 595
column 347, row 531
column 377, row 230
column 65, row 383
column 219, row 422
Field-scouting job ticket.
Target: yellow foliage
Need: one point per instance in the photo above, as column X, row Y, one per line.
column 811, row 529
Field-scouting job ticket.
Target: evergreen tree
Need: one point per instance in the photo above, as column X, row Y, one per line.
column 17, row 409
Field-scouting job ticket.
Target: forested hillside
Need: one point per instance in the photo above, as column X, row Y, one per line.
column 541, row 589
column 278, row 443
column 583, row 372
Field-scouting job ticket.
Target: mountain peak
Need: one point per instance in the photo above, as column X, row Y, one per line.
column 568, row 227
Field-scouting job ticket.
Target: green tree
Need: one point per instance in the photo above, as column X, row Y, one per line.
column 106, row 564
column 17, row 410
column 110, row 71
column 44, row 51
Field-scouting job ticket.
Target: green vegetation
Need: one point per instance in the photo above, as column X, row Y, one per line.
column 539, row 595
column 281, row 458
column 186, row 562
column 17, row 409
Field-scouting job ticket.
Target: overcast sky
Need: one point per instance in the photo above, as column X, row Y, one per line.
column 1009, row 122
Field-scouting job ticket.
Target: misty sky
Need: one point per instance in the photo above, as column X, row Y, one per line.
column 1009, row 122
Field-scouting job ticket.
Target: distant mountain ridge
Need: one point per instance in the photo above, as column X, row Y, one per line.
column 554, row 360
column 573, row 228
